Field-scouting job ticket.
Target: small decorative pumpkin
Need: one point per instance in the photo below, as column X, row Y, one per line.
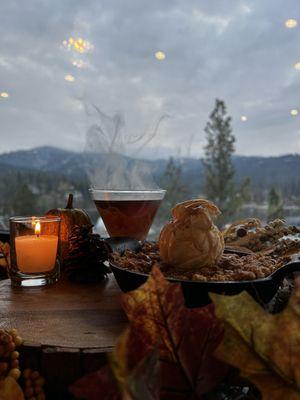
column 191, row 240
column 70, row 217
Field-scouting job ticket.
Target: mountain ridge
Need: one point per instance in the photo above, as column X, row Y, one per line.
column 279, row 171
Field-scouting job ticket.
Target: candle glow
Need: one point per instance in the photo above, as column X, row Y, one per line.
column 36, row 253
column 37, row 229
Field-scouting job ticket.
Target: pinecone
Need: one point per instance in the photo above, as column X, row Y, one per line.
column 88, row 253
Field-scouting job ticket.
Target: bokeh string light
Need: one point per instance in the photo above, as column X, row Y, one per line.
column 78, row 45
column 294, row 112
column 291, row 23
column 79, row 63
column 160, row 55
column 82, row 46
column 297, row 65
column 69, row 78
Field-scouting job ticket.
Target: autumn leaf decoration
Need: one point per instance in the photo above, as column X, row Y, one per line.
column 166, row 352
column 265, row 347
column 187, row 337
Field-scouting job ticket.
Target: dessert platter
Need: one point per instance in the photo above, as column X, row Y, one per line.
column 191, row 250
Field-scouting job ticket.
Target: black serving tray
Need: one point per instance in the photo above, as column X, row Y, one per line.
column 196, row 293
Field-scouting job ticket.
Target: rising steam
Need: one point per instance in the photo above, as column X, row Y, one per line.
column 111, row 163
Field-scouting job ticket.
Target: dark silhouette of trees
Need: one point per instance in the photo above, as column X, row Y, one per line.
column 219, row 172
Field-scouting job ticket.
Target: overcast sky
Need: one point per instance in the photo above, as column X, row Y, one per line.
column 239, row 51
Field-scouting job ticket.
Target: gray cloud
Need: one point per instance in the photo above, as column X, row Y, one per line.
column 239, row 51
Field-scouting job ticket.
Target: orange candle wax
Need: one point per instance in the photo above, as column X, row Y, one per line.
column 36, row 253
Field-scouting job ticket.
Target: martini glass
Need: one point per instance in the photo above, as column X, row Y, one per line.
column 127, row 213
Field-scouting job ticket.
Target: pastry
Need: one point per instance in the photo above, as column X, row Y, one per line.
column 191, row 240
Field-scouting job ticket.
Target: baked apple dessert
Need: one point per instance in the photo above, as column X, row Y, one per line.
column 191, row 240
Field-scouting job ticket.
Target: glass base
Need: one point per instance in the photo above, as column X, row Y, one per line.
column 19, row 279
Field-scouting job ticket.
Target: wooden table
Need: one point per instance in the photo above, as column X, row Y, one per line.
column 67, row 328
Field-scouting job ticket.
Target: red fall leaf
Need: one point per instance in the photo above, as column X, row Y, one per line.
column 187, row 337
column 167, row 352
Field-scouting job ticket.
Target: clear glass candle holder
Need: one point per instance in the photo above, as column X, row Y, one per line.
column 35, row 256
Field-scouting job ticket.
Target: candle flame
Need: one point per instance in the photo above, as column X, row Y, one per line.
column 37, row 228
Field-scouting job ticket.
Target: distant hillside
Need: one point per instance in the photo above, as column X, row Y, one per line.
column 46, row 159
column 68, row 163
column 282, row 172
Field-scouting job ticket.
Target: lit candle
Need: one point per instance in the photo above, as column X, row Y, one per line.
column 36, row 253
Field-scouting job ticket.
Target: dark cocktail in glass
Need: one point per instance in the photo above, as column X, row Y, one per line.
column 127, row 213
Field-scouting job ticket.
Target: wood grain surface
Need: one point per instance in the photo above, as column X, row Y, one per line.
column 64, row 315
column 67, row 328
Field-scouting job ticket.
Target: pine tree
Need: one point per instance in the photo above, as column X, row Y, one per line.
column 175, row 188
column 275, row 206
column 219, row 171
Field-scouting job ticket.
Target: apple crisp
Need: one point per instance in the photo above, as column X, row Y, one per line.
column 230, row 267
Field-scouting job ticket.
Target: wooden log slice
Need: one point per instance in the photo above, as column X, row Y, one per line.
column 67, row 328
